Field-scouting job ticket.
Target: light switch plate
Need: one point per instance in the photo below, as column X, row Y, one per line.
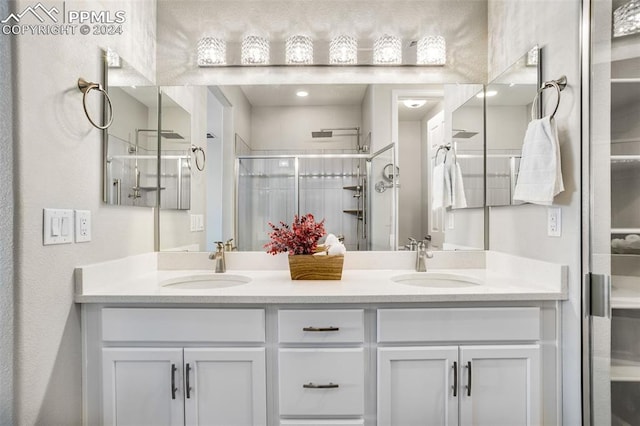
column 57, row 226
column 83, row 226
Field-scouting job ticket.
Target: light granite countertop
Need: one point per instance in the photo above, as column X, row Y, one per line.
column 497, row 277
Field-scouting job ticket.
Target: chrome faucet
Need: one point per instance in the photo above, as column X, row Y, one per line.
column 218, row 256
column 422, row 254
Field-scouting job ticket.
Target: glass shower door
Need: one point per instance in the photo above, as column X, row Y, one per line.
column 611, row 295
column 267, row 191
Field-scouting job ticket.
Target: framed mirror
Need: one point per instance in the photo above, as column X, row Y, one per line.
column 130, row 144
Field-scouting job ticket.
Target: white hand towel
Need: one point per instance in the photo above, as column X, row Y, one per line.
column 440, row 187
column 458, row 199
column 540, row 174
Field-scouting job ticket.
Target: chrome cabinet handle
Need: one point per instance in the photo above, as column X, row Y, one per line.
column 469, row 376
column 455, row 378
column 188, row 386
column 173, row 381
column 321, row 329
column 314, row 386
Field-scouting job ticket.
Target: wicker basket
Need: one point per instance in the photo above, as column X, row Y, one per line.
column 310, row 267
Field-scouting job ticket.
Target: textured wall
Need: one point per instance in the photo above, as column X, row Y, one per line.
column 59, row 165
column 6, row 228
column 522, row 230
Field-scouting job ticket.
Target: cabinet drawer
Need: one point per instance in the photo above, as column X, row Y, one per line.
column 183, row 325
column 302, row 371
column 321, row 326
column 458, row 324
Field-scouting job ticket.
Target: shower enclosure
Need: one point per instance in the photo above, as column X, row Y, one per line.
column 331, row 186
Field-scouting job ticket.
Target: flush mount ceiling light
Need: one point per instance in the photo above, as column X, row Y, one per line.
column 488, row 94
column 302, row 93
column 343, row 50
column 113, row 59
column 387, row 50
column 432, row 50
column 254, row 50
column 299, row 50
column 212, row 52
column 414, row 103
column 626, row 19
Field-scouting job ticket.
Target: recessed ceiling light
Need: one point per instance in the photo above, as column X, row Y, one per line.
column 414, row 103
column 302, row 93
column 488, row 94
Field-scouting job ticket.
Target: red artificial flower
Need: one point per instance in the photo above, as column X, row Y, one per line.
column 299, row 238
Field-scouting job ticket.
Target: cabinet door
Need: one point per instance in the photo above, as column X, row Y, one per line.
column 226, row 386
column 142, row 386
column 500, row 385
column 416, row 386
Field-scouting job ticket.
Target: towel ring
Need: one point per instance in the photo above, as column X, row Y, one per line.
column 195, row 150
column 559, row 85
column 86, row 87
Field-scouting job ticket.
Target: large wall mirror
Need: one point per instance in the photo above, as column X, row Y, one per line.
column 367, row 158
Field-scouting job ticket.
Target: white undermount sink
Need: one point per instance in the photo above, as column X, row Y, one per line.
column 205, row 281
column 436, row 279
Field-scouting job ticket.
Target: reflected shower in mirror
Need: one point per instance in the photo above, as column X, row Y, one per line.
column 509, row 100
column 274, row 154
column 130, row 144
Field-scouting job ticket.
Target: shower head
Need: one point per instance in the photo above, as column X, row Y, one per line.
column 463, row 134
column 322, row 134
column 171, row 135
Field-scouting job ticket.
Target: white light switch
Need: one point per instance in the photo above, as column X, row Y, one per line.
column 83, row 226
column 57, row 228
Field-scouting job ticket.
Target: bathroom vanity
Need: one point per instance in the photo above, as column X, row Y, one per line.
column 475, row 340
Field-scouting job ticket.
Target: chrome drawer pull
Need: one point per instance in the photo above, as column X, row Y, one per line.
column 455, row 378
column 321, row 329
column 314, row 386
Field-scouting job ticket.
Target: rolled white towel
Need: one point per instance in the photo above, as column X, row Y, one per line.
column 337, row 249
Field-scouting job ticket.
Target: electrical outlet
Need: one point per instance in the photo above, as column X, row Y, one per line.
column 83, row 226
column 554, row 221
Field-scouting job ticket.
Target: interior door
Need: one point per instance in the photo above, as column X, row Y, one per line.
column 435, row 137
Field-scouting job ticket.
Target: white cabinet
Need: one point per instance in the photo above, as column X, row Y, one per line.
column 500, row 385
column 139, row 386
column 168, row 385
column 472, row 384
column 416, row 386
column 193, row 386
column 323, row 381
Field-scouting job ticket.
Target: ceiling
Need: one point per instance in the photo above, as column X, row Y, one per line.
column 285, row 95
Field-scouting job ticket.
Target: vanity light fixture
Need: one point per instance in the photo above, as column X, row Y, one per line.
column 414, row 103
column 254, row 50
column 113, row 59
column 387, row 50
column 343, row 50
column 302, row 93
column 626, row 19
column 211, row 52
column 432, row 50
column 488, row 94
column 299, row 50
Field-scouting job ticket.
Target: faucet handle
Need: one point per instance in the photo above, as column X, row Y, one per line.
column 219, row 245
